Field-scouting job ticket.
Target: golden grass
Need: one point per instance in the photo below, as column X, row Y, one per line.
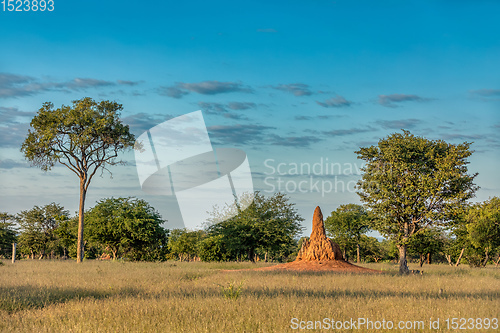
column 99, row 296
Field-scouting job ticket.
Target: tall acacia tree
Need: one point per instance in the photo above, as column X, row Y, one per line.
column 85, row 137
column 411, row 183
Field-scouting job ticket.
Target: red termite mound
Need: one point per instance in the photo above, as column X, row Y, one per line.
column 319, row 247
column 319, row 253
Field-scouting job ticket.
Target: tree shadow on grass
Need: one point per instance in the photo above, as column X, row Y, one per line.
column 369, row 294
column 19, row 298
column 315, row 293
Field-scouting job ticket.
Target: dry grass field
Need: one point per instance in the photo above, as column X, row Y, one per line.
column 103, row 296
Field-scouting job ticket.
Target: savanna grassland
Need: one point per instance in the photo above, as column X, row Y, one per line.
column 104, row 296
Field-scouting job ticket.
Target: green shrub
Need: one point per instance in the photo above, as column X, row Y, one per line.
column 232, row 291
column 212, row 249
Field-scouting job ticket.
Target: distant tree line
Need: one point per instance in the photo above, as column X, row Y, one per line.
column 269, row 230
column 116, row 228
column 473, row 236
column 129, row 228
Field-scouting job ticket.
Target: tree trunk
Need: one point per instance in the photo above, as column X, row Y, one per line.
column 346, row 258
column 358, row 258
column 81, row 210
column 460, row 257
column 250, row 255
column 14, row 252
column 487, row 258
column 403, row 264
column 421, row 260
column 429, row 258
column 498, row 260
column 114, row 254
column 265, row 257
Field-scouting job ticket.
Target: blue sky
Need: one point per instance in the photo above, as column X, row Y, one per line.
column 286, row 81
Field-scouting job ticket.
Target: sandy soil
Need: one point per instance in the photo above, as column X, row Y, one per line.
column 319, row 266
column 315, row 266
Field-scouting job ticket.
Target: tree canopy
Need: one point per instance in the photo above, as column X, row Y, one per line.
column 38, row 226
column 7, row 233
column 484, row 227
column 85, row 137
column 411, row 182
column 127, row 227
column 184, row 243
column 346, row 224
column 428, row 241
column 270, row 225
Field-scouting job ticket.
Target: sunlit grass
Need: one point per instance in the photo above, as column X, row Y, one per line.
column 98, row 296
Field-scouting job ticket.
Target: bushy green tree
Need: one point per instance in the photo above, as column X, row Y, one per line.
column 184, row 243
column 38, row 229
column 7, row 234
column 67, row 232
column 427, row 242
column 127, row 227
column 85, row 137
column 458, row 245
column 371, row 249
column 411, row 182
column 390, row 251
column 212, row 248
column 483, row 229
column 268, row 225
column 346, row 225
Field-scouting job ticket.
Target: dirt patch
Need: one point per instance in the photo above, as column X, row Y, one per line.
column 319, row 266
